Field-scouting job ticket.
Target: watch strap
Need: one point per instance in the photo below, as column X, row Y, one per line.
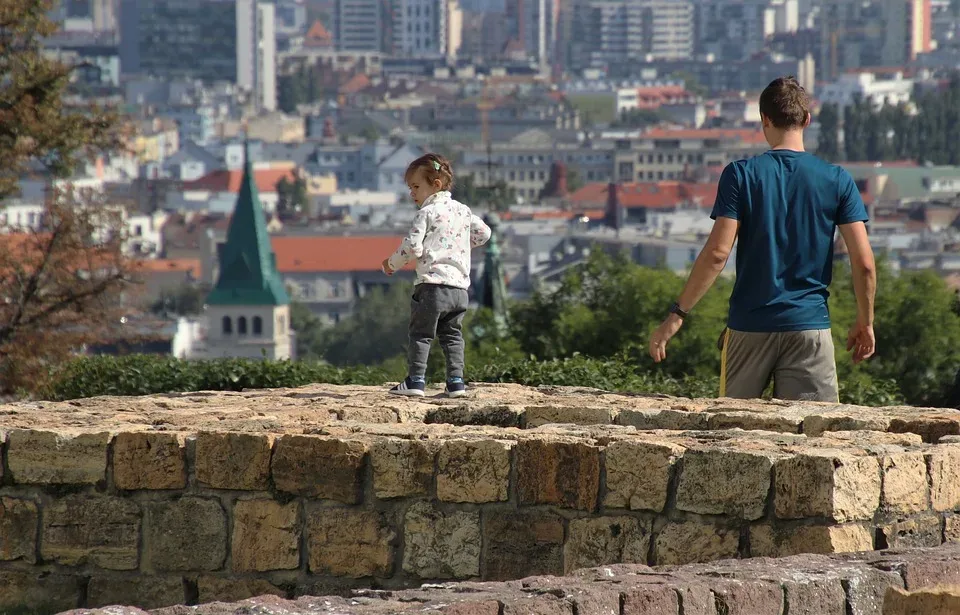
column 675, row 309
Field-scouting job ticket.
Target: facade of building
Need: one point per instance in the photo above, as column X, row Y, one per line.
column 362, row 25
column 248, row 310
column 734, row 30
column 895, row 89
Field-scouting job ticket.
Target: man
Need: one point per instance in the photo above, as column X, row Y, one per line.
column 784, row 206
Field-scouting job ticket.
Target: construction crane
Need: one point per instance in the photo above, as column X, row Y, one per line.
column 485, row 105
column 872, row 31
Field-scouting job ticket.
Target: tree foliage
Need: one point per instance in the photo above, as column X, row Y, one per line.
column 499, row 196
column 292, row 197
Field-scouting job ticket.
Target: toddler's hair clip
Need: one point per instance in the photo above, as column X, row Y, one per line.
column 436, row 165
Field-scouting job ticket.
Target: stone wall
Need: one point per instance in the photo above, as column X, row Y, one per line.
column 312, row 492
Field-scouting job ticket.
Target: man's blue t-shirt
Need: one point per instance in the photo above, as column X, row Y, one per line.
column 788, row 204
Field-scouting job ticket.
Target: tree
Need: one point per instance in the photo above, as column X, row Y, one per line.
column 292, row 197
column 186, row 300
column 309, row 330
column 856, row 116
column 60, row 285
column 828, row 139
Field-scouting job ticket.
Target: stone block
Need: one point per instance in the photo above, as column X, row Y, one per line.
column 142, row 591
column 724, row 482
column 474, row 471
column 495, row 415
column 748, row 597
column 402, row 468
column 650, row 600
column 789, row 539
column 816, row 425
column 38, row 591
column 37, row 457
column 606, row 540
column 239, row 461
column 905, row 490
column 677, row 420
column 344, row 542
column 521, row 543
column 638, row 474
column 92, row 529
column 686, row 542
column 829, row 484
column 919, row 573
column 943, row 466
column 930, row 428
column 189, row 533
column 144, row 460
column 266, row 535
column 323, row 468
column 951, row 528
column 18, row 529
column 558, row 473
column 866, row 588
column 919, row 531
column 939, row 601
column 228, row 589
column 753, row 421
column 535, row 416
column 808, row 596
column 441, row 545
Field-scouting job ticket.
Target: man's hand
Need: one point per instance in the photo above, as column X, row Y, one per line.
column 861, row 341
column 658, row 341
column 386, row 266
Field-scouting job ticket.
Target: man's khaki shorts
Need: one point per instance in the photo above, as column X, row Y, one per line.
column 801, row 363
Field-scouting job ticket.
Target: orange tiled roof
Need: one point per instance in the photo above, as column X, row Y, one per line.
column 305, row 254
column 651, row 195
column 746, row 135
column 318, row 36
column 229, row 181
column 357, row 83
column 171, row 265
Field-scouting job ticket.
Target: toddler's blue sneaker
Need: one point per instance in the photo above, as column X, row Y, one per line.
column 456, row 387
column 410, row 388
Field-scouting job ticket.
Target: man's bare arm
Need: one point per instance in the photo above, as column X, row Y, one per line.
column 710, row 262
column 863, row 267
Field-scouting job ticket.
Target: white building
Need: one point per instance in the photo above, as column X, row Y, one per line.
column 895, row 90
column 257, row 52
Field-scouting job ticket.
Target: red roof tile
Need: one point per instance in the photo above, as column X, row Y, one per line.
column 357, row 83
column 651, row 195
column 171, row 265
column 229, row 181
column 745, row 135
column 318, row 36
column 306, row 254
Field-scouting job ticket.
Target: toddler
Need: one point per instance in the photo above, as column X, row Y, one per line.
column 443, row 233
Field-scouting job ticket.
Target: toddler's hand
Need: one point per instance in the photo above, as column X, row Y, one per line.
column 386, row 266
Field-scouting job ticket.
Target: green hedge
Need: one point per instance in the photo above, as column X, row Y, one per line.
column 151, row 374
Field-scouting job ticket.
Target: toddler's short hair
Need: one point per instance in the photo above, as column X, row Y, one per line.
column 434, row 167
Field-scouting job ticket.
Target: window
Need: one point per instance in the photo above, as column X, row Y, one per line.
column 242, row 325
column 227, row 325
column 257, row 325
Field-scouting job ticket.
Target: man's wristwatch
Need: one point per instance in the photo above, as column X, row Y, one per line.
column 675, row 309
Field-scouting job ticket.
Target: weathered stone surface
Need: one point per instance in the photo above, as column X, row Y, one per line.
column 663, row 419
column 37, row 591
column 606, row 540
column 367, row 415
column 138, row 590
column 951, row 528
column 692, row 541
column 815, row 425
column 266, row 535
column 234, row 460
column 564, row 474
column 189, row 533
column 495, row 415
column 349, row 543
column 943, row 465
column 932, row 571
column 866, row 587
column 402, row 468
column 829, row 484
column 18, row 529
column 941, row 601
column 91, row 529
column 441, row 545
column 919, row 531
column 144, row 460
column 651, row 600
column 931, row 428
column 324, row 468
column 814, row 597
column 737, row 597
column 521, row 543
column 212, row 588
column 716, row 481
column 577, row 415
column 766, row 541
column 51, row 458
column 638, row 474
column 474, row 471
column 905, row 490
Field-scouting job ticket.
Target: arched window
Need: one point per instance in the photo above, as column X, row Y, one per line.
column 227, row 325
column 257, row 325
column 242, row 325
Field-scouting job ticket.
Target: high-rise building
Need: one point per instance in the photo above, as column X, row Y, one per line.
column 907, row 31
column 420, row 28
column 533, row 25
column 733, row 30
column 362, row 25
column 211, row 40
column 104, row 15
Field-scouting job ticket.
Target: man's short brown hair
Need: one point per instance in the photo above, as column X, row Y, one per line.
column 785, row 103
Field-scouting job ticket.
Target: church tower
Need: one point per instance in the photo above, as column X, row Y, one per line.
column 248, row 311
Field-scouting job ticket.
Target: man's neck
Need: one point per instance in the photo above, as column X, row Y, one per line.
column 790, row 140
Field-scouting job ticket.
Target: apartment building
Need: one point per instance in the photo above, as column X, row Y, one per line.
column 736, row 30
column 665, row 154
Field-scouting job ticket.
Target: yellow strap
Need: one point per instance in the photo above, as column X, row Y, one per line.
column 723, row 364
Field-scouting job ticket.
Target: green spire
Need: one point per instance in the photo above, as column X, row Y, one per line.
column 492, row 292
column 248, row 266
